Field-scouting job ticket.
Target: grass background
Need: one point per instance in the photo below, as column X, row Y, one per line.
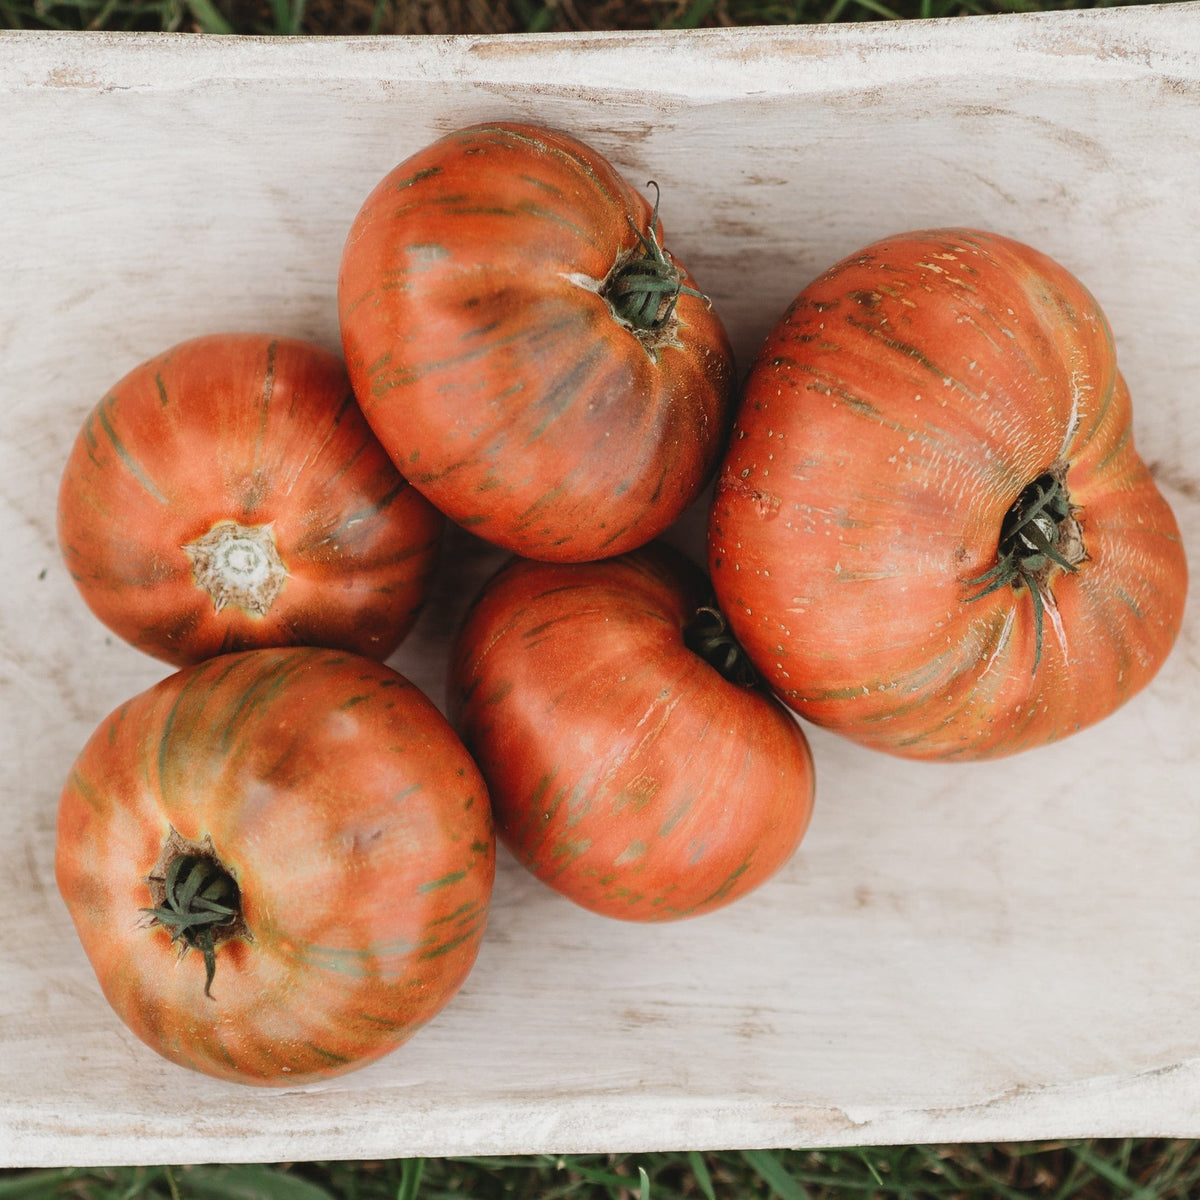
column 1087, row 1170
column 1140, row 1169
column 287, row 17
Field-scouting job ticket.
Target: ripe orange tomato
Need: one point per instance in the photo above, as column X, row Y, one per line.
column 625, row 769
column 526, row 350
column 228, row 494
column 932, row 532
column 279, row 863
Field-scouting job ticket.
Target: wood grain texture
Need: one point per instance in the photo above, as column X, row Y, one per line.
column 956, row 953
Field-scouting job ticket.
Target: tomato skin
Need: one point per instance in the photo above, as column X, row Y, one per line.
column 259, row 431
column 358, row 831
column 495, row 373
column 889, row 423
column 624, row 770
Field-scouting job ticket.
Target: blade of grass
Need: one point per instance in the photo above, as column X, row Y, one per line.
column 248, row 1182
column 381, row 7
column 287, row 17
column 875, row 1175
column 208, row 18
column 101, row 19
column 605, row 1178
column 411, row 1170
column 696, row 11
column 835, row 11
column 534, row 17
column 170, row 15
column 142, row 1183
column 880, row 10
column 700, row 1172
column 774, row 1174
column 36, row 1185
column 1108, row 1171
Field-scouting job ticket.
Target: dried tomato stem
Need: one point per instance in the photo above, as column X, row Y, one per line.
column 1039, row 533
column 643, row 288
column 708, row 635
column 239, row 565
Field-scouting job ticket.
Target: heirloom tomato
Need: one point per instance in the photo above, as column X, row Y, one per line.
column 227, row 494
column 526, row 350
column 932, row 532
column 630, row 765
column 279, row 863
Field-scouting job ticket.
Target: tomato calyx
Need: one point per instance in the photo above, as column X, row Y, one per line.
column 1038, row 535
column 708, row 635
column 644, row 285
column 239, row 565
column 196, row 899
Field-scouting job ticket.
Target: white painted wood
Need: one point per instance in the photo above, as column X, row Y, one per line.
column 956, row 953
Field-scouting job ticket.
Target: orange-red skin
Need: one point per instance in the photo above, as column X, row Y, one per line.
column 891, row 418
column 624, row 771
column 502, row 386
column 355, row 824
column 260, row 430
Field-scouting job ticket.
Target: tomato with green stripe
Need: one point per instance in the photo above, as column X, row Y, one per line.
column 227, row 494
column 634, row 763
column 932, row 531
column 279, row 863
column 526, row 349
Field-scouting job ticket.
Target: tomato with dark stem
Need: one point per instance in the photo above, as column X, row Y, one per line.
column 279, row 863
column 526, row 349
column 227, row 494
column 632, row 761
column 932, row 532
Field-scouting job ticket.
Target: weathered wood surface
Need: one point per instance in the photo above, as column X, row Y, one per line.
column 958, row 953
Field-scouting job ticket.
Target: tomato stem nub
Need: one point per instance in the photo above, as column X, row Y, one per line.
column 238, row 565
column 643, row 289
column 1039, row 533
column 708, row 635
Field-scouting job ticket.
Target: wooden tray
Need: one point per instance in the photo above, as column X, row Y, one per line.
column 956, row 953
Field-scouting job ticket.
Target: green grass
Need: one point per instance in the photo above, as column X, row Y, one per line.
column 1138, row 1170
column 284, row 17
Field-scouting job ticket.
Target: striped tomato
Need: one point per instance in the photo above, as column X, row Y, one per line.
column 528, row 353
column 932, row 531
column 228, row 494
column 279, row 863
column 624, row 770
